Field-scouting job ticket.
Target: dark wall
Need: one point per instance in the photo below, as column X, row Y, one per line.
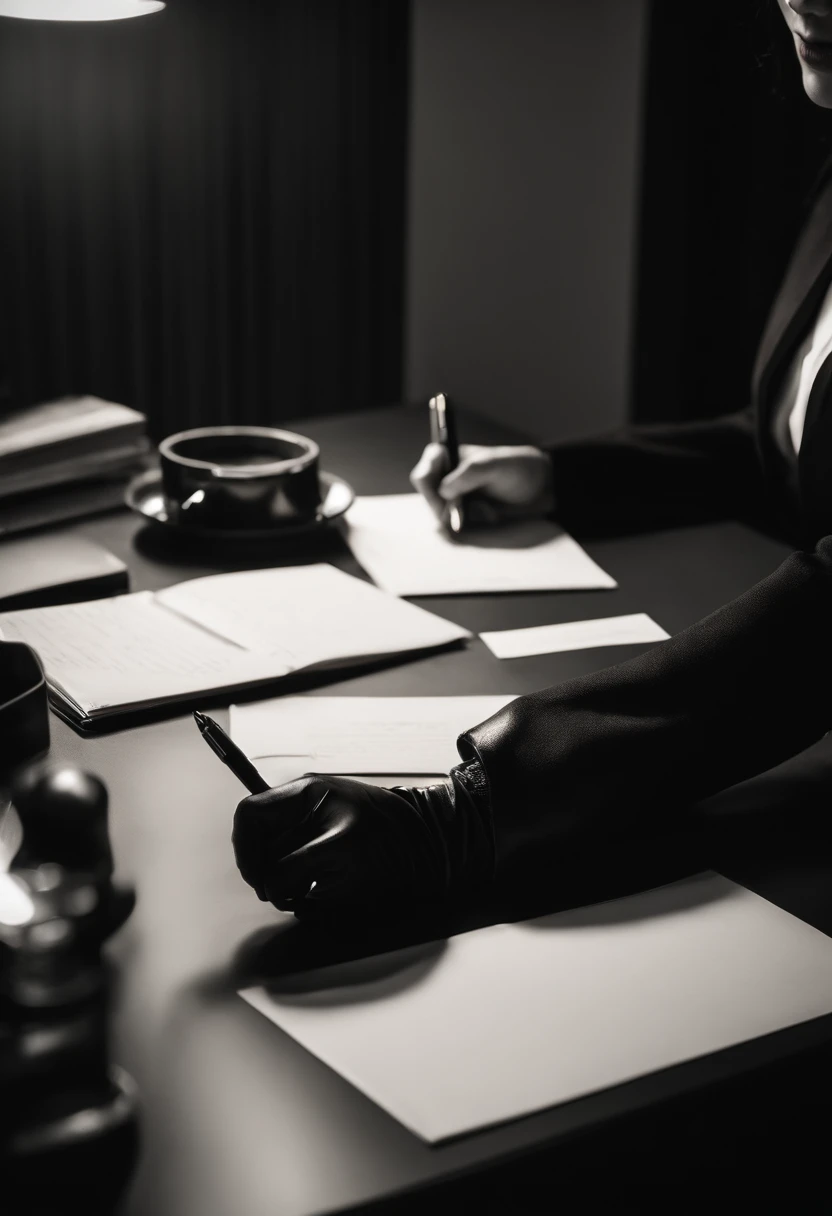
column 201, row 212
column 525, row 129
column 731, row 147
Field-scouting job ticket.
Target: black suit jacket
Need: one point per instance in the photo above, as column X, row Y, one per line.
column 738, row 692
column 727, row 467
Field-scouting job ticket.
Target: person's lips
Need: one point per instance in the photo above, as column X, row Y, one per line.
column 815, row 53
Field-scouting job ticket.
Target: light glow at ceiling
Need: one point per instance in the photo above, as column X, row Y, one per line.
column 78, row 10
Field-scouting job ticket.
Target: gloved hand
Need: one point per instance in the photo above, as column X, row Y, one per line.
column 337, row 844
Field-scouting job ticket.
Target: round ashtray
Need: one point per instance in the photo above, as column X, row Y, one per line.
column 145, row 496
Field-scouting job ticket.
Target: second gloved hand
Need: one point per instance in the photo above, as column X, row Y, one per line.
column 337, row 843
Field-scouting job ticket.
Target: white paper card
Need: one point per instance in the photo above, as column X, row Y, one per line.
column 358, row 735
column 498, row 1023
column 574, row 635
column 399, row 542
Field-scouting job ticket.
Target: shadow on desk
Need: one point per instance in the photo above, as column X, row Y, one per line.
column 298, row 945
column 735, row 1165
column 168, row 546
column 772, row 835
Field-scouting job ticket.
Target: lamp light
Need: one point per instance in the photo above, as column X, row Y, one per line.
column 78, row 10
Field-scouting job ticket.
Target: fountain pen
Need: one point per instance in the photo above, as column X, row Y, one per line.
column 228, row 751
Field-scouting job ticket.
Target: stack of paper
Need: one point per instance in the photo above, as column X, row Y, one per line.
column 399, row 542
column 504, row 1021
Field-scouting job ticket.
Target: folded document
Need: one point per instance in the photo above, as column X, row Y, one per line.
column 207, row 635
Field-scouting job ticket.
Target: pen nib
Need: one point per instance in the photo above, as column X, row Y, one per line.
column 200, row 719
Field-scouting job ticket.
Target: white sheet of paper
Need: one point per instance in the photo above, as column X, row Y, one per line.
column 514, row 1018
column 574, row 635
column 398, row 541
column 358, row 735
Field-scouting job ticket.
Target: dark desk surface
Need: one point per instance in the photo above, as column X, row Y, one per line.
column 237, row 1117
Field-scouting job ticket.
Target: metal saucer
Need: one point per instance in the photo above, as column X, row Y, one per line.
column 144, row 495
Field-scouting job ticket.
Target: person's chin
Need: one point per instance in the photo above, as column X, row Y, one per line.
column 818, row 87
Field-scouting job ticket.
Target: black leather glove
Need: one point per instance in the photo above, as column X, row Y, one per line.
column 336, row 843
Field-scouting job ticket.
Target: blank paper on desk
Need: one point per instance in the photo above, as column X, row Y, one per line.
column 511, row 1019
column 360, row 735
column 399, row 542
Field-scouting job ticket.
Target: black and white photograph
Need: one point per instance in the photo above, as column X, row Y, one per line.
column 415, row 607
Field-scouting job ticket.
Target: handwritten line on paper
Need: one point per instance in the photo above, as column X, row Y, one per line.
column 574, row 635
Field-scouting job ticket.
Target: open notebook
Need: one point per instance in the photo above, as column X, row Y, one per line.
column 224, row 632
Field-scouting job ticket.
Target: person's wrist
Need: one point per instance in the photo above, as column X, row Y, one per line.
column 457, row 815
column 535, row 481
column 473, row 829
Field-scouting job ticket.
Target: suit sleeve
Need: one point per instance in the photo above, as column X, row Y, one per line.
column 606, row 755
column 649, row 477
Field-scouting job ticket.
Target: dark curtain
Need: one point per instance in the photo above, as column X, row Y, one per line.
column 202, row 211
column 731, row 146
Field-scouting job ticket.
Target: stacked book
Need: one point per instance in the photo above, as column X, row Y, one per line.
column 65, row 458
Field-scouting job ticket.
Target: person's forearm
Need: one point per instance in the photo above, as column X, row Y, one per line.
column 648, row 477
column 604, row 755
